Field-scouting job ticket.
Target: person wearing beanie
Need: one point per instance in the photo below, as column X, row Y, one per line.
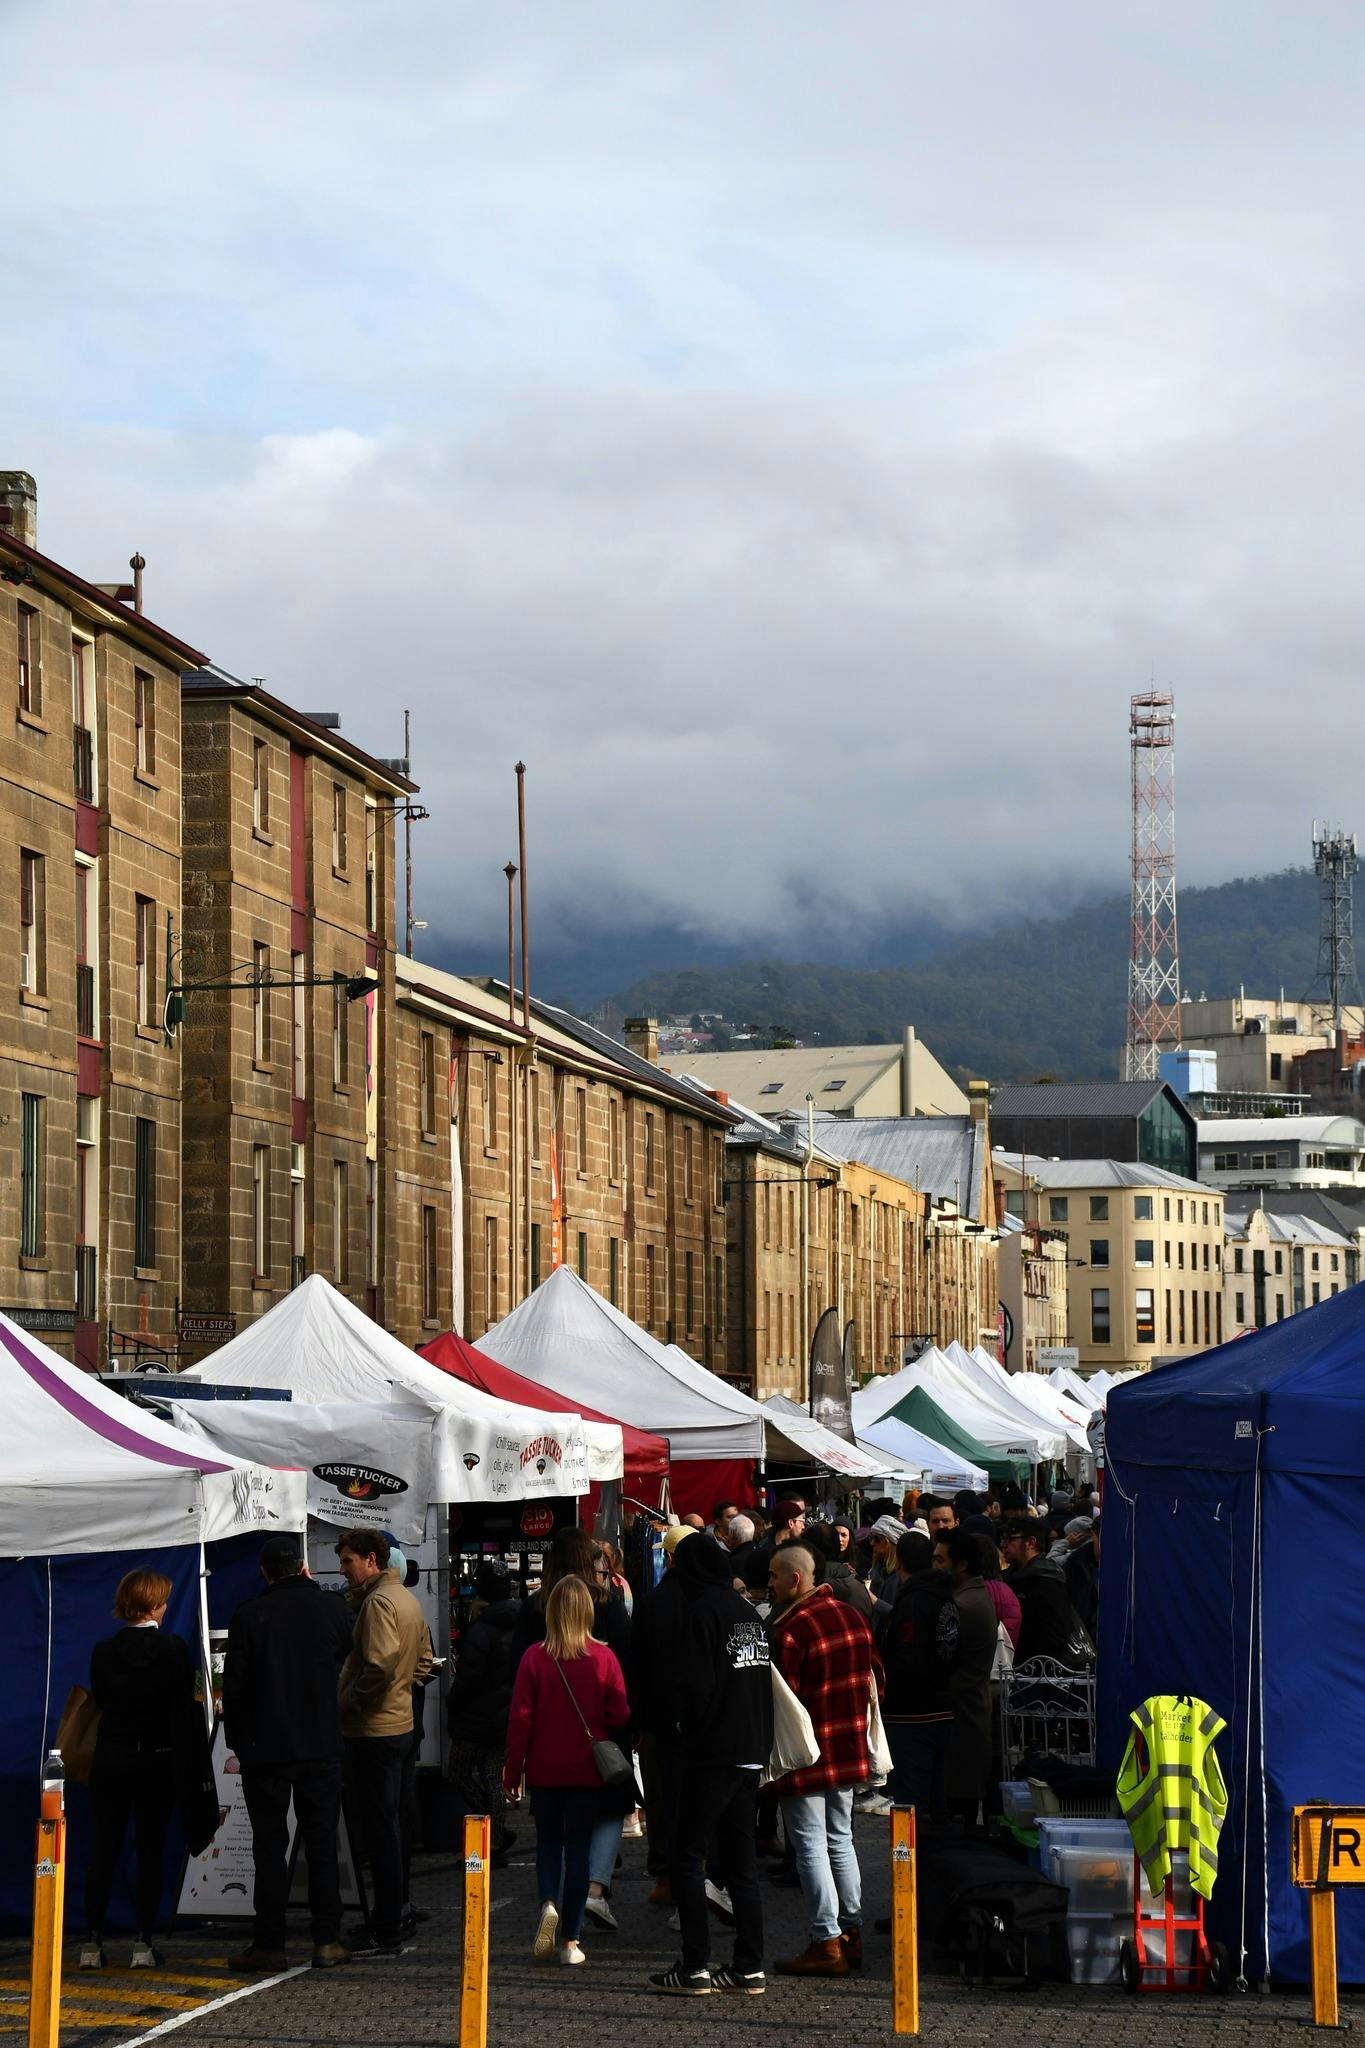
column 479, row 1701
column 723, row 1722
column 286, row 1648
column 652, row 1677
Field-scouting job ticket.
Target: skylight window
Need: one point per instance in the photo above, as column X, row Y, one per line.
column 832, row 1086
column 771, row 1088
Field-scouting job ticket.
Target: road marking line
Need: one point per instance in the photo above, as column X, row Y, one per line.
column 90, row 1987
column 215, row 2004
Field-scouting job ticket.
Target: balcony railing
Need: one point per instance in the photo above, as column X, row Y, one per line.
column 83, row 762
column 87, row 1296
column 85, row 999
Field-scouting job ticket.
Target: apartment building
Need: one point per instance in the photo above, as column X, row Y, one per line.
column 1277, row 1262
column 525, row 1139
column 1282, row 1151
column 286, row 957
column 90, row 859
column 1033, row 1292
column 1144, row 1252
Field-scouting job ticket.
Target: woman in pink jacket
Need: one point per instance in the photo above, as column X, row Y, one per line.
column 569, row 1692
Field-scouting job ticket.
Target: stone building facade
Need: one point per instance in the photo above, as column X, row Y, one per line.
column 90, row 859
column 525, row 1139
column 289, row 1072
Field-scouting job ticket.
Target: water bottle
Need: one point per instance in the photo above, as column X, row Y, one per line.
column 54, row 1786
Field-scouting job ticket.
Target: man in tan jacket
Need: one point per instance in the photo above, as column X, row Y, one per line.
column 390, row 1653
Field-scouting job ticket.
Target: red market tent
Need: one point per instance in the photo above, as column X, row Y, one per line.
column 646, row 1456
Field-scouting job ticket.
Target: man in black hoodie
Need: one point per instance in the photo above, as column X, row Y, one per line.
column 480, row 1699
column 1048, row 1627
column 723, row 1714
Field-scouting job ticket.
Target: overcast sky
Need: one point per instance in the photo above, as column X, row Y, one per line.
column 794, row 428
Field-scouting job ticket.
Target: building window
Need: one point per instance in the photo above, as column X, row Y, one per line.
column 1225, row 1162
column 649, row 1151
column 1180, row 1304
column 371, row 856
column 30, row 672
column 614, row 1139
column 1208, row 1319
column 614, row 1271
column 1237, row 1258
column 1144, row 1251
column 260, row 1010
column 297, row 1213
column 1218, row 1317
column 1142, row 1208
column 1315, row 1261
column 32, row 1179
column 341, row 1222
column 1057, row 1208
column 535, row 1113
column 1180, row 1253
column 1099, row 1315
column 1317, row 1292
column 83, row 718
column 144, row 1194
column 430, row 1310
column 144, row 939
column 299, row 1031
column 582, row 1254
column 338, row 829
column 1144, row 1302
column 1239, row 1307
column 144, row 721
column 490, row 1269
column 32, row 922
column 1206, row 1211
column 535, row 1256
column 1279, row 1262
column 260, row 1212
column 490, row 1102
column 260, row 786
column 581, row 1103
column 687, row 1170
column 1180, row 1209
column 1099, row 1251
column 718, row 1286
column 649, row 1287
column 428, row 1084
column 1099, row 1208
column 1168, row 1315
column 87, row 1003
column 371, row 1223
column 689, row 1290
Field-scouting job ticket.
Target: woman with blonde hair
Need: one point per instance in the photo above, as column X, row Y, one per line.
column 569, row 1693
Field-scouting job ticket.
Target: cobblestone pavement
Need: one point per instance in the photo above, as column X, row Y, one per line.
column 413, row 2002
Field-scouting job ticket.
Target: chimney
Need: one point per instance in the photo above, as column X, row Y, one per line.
column 979, row 1100
column 642, row 1037
column 19, row 506
column 908, row 1071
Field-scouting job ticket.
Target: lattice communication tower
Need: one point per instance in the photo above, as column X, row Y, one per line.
column 1336, row 867
column 1154, row 954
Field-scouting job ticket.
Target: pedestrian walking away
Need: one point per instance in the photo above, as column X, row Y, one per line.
column 724, row 1723
column 569, row 1693
column 479, row 1701
column 389, row 1655
column 825, row 1652
column 655, row 1671
column 143, row 1685
column 282, row 1720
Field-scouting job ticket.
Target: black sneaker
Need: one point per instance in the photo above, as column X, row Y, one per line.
column 752, row 1982
column 365, row 1945
column 681, row 1983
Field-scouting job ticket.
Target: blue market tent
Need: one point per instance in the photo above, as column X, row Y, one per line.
column 1230, row 1571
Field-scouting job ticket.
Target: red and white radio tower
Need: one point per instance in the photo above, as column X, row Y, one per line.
column 1154, row 955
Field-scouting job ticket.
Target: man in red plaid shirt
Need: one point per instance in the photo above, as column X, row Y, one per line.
column 825, row 1652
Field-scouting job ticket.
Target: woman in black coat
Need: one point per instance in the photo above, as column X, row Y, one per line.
column 479, row 1699
column 143, row 1684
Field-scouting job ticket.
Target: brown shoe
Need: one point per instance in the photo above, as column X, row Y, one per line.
column 852, row 1946
column 662, row 1894
column 821, row 1959
column 328, row 1954
column 252, row 1961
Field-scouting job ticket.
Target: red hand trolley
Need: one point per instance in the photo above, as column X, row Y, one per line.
column 1209, row 1967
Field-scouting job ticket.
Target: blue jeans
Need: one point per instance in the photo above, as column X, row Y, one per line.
column 819, row 1827
column 606, row 1841
column 565, row 1816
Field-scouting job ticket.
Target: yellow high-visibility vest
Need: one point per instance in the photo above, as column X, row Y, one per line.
column 1170, row 1789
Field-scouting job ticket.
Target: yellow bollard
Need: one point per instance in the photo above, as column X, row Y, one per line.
column 49, row 1897
column 904, row 1923
column 474, row 1966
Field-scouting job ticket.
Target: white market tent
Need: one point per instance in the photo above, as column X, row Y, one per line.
column 84, row 1472
column 985, row 1382
column 915, row 1454
column 941, row 1380
column 318, row 1346
column 1068, row 1382
column 1031, row 1391
column 567, row 1337
column 822, row 1447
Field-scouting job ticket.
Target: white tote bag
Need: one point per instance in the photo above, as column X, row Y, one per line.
column 794, row 1745
column 878, row 1748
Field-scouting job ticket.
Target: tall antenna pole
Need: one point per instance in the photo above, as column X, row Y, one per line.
column 525, row 932
column 1336, row 866
column 1154, row 954
column 407, row 824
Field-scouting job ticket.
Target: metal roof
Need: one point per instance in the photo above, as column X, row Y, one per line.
column 1098, row 1173
column 1244, row 1130
column 945, row 1156
column 800, row 1070
column 1290, row 1229
column 1080, row 1098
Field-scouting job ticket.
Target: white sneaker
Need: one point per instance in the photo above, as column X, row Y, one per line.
column 144, row 1957
column 875, row 1805
column 92, row 1956
column 632, row 1831
column 600, row 1913
column 542, row 1948
column 719, row 1901
column 571, row 1955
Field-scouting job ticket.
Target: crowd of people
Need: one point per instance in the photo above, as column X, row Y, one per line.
column 740, row 1699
